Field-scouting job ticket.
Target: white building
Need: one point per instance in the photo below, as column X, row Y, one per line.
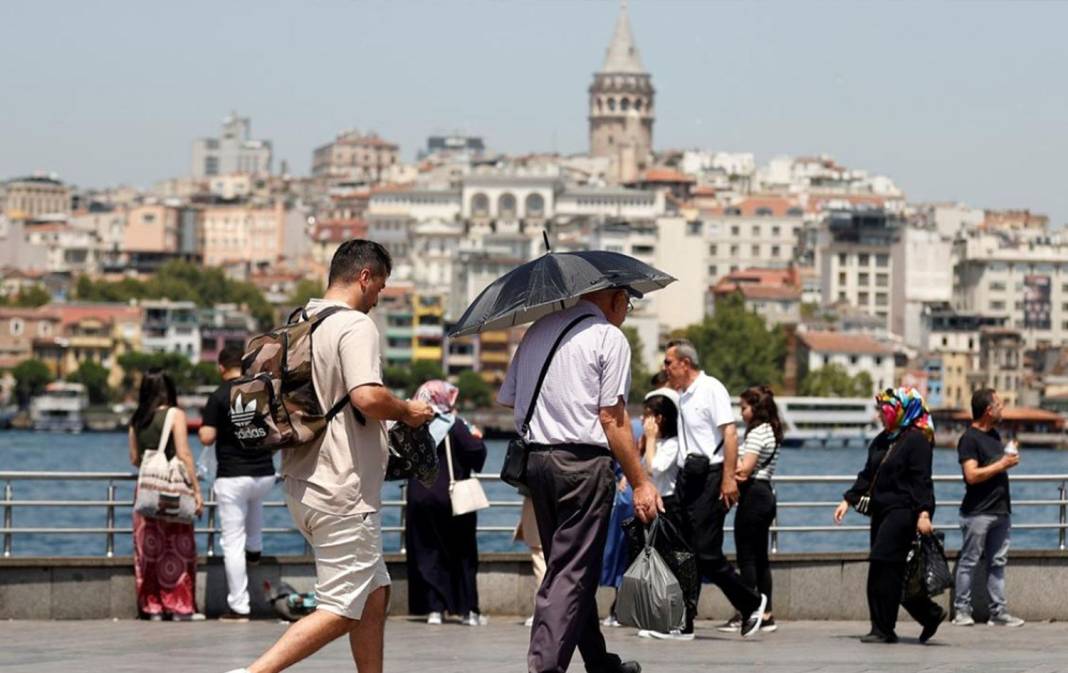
column 171, row 327
column 509, row 196
column 234, row 151
column 928, row 279
column 17, row 251
column 855, row 353
column 416, row 203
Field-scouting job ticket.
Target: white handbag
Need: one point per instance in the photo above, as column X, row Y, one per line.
column 164, row 489
column 466, row 495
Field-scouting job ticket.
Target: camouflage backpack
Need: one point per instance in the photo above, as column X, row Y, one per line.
column 274, row 405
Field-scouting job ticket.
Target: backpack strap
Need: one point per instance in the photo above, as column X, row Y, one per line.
column 318, row 318
column 544, row 370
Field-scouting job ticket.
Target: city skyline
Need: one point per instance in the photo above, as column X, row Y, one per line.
column 954, row 102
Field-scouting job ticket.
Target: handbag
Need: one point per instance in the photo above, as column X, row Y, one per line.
column 412, row 454
column 863, row 504
column 926, row 568
column 514, row 469
column 164, row 489
column 466, row 495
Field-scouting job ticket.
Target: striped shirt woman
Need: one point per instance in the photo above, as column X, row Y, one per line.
column 761, row 442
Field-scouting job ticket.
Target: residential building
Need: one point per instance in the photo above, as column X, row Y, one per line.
column 151, row 227
column 107, row 224
column 34, row 197
column 755, row 232
column 171, row 327
column 855, row 353
column 16, row 250
column 67, row 250
column 234, row 151
column 90, row 332
column 773, row 294
column 509, row 196
column 224, row 325
column 461, row 354
column 928, row 279
column 950, row 341
column 327, row 235
column 682, row 248
column 617, row 203
column 428, row 327
column 244, row 233
column 495, row 350
column 415, row 202
column 394, row 318
column 1009, row 220
column 355, row 157
column 1000, row 363
column 19, row 327
column 453, row 146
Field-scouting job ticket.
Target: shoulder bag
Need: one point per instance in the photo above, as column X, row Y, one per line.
column 164, row 489
column 863, row 505
column 466, row 495
column 514, row 470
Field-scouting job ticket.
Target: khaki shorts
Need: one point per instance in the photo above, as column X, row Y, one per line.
column 349, row 564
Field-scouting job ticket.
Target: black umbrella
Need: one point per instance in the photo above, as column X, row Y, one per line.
column 551, row 283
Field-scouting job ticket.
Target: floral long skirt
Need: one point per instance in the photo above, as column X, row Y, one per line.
column 165, row 566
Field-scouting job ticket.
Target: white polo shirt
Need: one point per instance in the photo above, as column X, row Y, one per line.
column 706, row 406
column 591, row 370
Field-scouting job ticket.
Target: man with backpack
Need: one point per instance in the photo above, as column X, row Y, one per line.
column 243, row 479
column 333, row 489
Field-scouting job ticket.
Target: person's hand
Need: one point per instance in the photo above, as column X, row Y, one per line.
column 647, row 502
column 622, row 486
column 476, row 431
column 199, row 499
column 1010, row 460
column 924, row 525
column 419, row 413
column 840, row 512
column 650, row 427
column 728, row 491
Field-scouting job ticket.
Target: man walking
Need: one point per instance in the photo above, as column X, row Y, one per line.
column 579, row 423
column 707, row 488
column 243, row 479
column 985, row 512
column 335, row 492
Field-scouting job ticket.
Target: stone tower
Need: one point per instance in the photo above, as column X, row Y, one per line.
column 621, row 106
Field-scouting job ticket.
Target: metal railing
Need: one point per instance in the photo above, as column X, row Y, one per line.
column 110, row 503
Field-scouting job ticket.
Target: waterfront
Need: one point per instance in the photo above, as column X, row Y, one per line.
column 107, row 452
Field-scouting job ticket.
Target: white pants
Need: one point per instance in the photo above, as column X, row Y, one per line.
column 240, row 501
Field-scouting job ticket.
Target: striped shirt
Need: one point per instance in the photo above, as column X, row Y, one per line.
column 761, row 441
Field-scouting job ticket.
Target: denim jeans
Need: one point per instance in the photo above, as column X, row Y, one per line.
column 984, row 535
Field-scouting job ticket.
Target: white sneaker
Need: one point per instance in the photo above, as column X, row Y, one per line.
column 474, row 619
column 1004, row 619
column 963, row 619
column 611, row 622
column 434, row 619
column 673, row 634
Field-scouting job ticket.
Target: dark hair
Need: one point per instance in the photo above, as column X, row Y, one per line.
column 157, row 390
column 230, row 356
column 659, row 380
column 354, row 256
column 981, row 401
column 660, row 405
column 762, row 401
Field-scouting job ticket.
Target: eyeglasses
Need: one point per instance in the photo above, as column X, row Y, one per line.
column 630, row 306
column 668, row 362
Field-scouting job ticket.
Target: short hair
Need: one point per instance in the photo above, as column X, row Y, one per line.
column 230, row 356
column 354, row 256
column 981, row 401
column 686, row 351
column 659, row 379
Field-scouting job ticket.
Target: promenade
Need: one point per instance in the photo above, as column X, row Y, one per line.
column 126, row 646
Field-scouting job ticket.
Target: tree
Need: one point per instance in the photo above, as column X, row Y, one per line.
column 306, row 289
column 186, row 375
column 639, row 375
column 736, row 346
column 397, row 378
column 32, row 297
column 94, row 376
column 31, row 377
column 423, row 371
column 834, row 381
column 475, row 393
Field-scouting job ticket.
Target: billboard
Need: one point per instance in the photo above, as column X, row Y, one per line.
column 1036, row 302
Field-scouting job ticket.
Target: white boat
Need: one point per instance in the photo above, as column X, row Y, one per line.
column 61, row 408
column 826, row 421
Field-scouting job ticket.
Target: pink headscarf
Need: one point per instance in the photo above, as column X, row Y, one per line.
column 439, row 394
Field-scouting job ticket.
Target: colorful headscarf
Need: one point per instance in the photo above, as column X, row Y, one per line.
column 904, row 408
column 439, row 394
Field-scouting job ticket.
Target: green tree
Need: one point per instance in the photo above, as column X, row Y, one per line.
column 736, row 346
column 94, row 376
column 834, row 381
column 475, row 393
column 306, row 289
column 639, row 374
column 423, row 371
column 204, row 374
column 31, row 377
column 32, row 297
column 397, row 378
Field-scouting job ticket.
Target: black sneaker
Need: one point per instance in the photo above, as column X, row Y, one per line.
column 769, row 626
column 629, row 667
column 931, row 627
column 755, row 619
column 253, row 557
column 233, row 617
column 878, row 638
column 732, row 625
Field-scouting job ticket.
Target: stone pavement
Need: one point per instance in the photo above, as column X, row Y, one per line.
column 413, row 647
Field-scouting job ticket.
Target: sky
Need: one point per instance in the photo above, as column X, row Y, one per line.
column 956, row 101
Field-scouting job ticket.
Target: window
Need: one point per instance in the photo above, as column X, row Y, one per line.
column 841, row 295
column 535, row 205
column 756, row 251
column 756, row 230
column 734, row 251
column 712, row 250
column 852, row 359
column 776, row 231
column 775, row 251
column 16, row 327
column 764, row 212
column 878, row 359
column 862, row 298
column 863, row 278
column 881, row 299
column 997, row 306
column 735, row 230
column 713, row 271
column 841, row 259
column 693, row 228
column 794, row 212
column 882, row 280
column 841, row 277
column 44, row 328
column 624, row 104
column 996, row 285
column 882, row 260
column 612, row 107
column 864, row 259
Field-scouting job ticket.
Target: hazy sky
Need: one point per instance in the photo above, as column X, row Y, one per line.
column 955, row 101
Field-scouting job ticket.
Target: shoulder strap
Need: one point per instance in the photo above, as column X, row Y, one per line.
column 448, row 457
column 871, row 486
column 544, row 369
column 767, row 461
column 165, row 434
column 319, row 317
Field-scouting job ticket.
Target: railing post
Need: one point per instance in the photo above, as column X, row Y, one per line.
column 211, row 524
column 109, row 549
column 403, row 515
column 1063, row 490
column 774, row 531
column 7, row 518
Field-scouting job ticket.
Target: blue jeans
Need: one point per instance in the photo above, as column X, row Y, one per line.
column 984, row 535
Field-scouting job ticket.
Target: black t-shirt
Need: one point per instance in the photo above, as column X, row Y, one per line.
column 233, row 460
column 992, row 495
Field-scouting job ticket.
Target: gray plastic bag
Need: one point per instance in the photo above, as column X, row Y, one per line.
column 650, row 596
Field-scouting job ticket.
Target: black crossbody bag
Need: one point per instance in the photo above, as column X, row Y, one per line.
column 514, row 470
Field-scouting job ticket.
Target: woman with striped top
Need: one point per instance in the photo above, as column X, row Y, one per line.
column 756, row 504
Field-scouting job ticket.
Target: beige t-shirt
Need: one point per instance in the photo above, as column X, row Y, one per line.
column 345, row 475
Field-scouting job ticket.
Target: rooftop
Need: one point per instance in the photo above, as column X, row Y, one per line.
column 837, row 342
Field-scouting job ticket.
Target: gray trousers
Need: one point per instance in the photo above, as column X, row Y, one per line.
column 571, row 488
column 985, row 535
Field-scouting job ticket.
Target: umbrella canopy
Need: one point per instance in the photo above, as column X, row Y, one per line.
column 551, row 283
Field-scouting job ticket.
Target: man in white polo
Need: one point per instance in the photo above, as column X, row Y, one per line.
column 707, row 488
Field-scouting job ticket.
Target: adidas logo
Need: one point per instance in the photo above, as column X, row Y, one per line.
column 242, row 414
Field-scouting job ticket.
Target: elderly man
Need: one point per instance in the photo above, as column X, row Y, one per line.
column 579, row 423
column 706, row 487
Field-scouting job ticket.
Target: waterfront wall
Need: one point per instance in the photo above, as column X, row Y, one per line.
column 827, row 586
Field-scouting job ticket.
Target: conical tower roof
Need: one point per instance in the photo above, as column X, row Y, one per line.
column 622, row 56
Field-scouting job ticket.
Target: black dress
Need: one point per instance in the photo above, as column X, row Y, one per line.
column 903, row 488
column 442, row 550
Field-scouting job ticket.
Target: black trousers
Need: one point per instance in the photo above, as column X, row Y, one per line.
column 752, row 521
column 892, row 533
column 698, row 490
column 572, row 489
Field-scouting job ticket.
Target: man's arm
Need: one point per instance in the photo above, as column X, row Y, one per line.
column 973, row 474
column 378, row 403
column 616, row 424
column 207, row 435
column 729, row 484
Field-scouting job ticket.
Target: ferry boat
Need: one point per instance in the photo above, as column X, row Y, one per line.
column 61, row 408
column 825, row 421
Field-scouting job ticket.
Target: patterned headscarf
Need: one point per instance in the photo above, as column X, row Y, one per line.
column 439, row 394
column 904, row 408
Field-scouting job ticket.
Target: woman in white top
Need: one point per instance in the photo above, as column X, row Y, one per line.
column 660, row 441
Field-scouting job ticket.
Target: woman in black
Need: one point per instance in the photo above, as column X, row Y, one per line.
column 895, row 488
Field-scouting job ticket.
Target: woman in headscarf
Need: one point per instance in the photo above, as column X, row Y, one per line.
column 896, row 490
column 442, row 549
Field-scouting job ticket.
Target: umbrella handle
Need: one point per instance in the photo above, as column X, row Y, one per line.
column 545, row 236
